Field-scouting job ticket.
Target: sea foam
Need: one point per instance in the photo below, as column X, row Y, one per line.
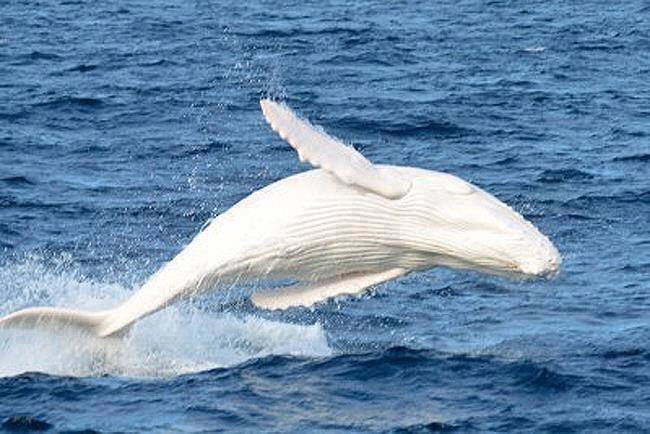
column 180, row 339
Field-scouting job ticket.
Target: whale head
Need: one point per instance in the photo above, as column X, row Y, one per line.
column 467, row 228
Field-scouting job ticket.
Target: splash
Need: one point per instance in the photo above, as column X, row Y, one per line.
column 178, row 340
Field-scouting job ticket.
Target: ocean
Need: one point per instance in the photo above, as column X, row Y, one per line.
column 125, row 127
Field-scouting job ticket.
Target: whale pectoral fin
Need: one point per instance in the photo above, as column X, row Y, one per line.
column 57, row 319
column 311, row 293
column 319, row 149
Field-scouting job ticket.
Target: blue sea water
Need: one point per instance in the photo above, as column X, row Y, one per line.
column 124, row 127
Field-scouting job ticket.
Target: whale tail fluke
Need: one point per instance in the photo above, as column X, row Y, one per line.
column 50, row 318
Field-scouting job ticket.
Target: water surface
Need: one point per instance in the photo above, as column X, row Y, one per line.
column 124, row 128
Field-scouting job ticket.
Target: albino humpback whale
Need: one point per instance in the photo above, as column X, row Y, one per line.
column 339, row 229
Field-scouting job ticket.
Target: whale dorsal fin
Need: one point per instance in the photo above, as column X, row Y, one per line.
column 319, row 149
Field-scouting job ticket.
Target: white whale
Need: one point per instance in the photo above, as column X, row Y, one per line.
column 338, row 229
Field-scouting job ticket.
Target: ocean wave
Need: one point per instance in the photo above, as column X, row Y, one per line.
column 536, row 377
column 587, row 200
column 12, row 116
column 157, row 62
column 432, row 427
column 41, row 55
column 83, row 67
column 431, row 128
column 295, row 32
column 68, row 101
column 552, row 176
column 640, row 158
column 25, row 424
column 17, row 180
column 383, row 60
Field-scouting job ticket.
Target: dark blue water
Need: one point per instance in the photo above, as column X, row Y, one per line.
column 123, row 128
